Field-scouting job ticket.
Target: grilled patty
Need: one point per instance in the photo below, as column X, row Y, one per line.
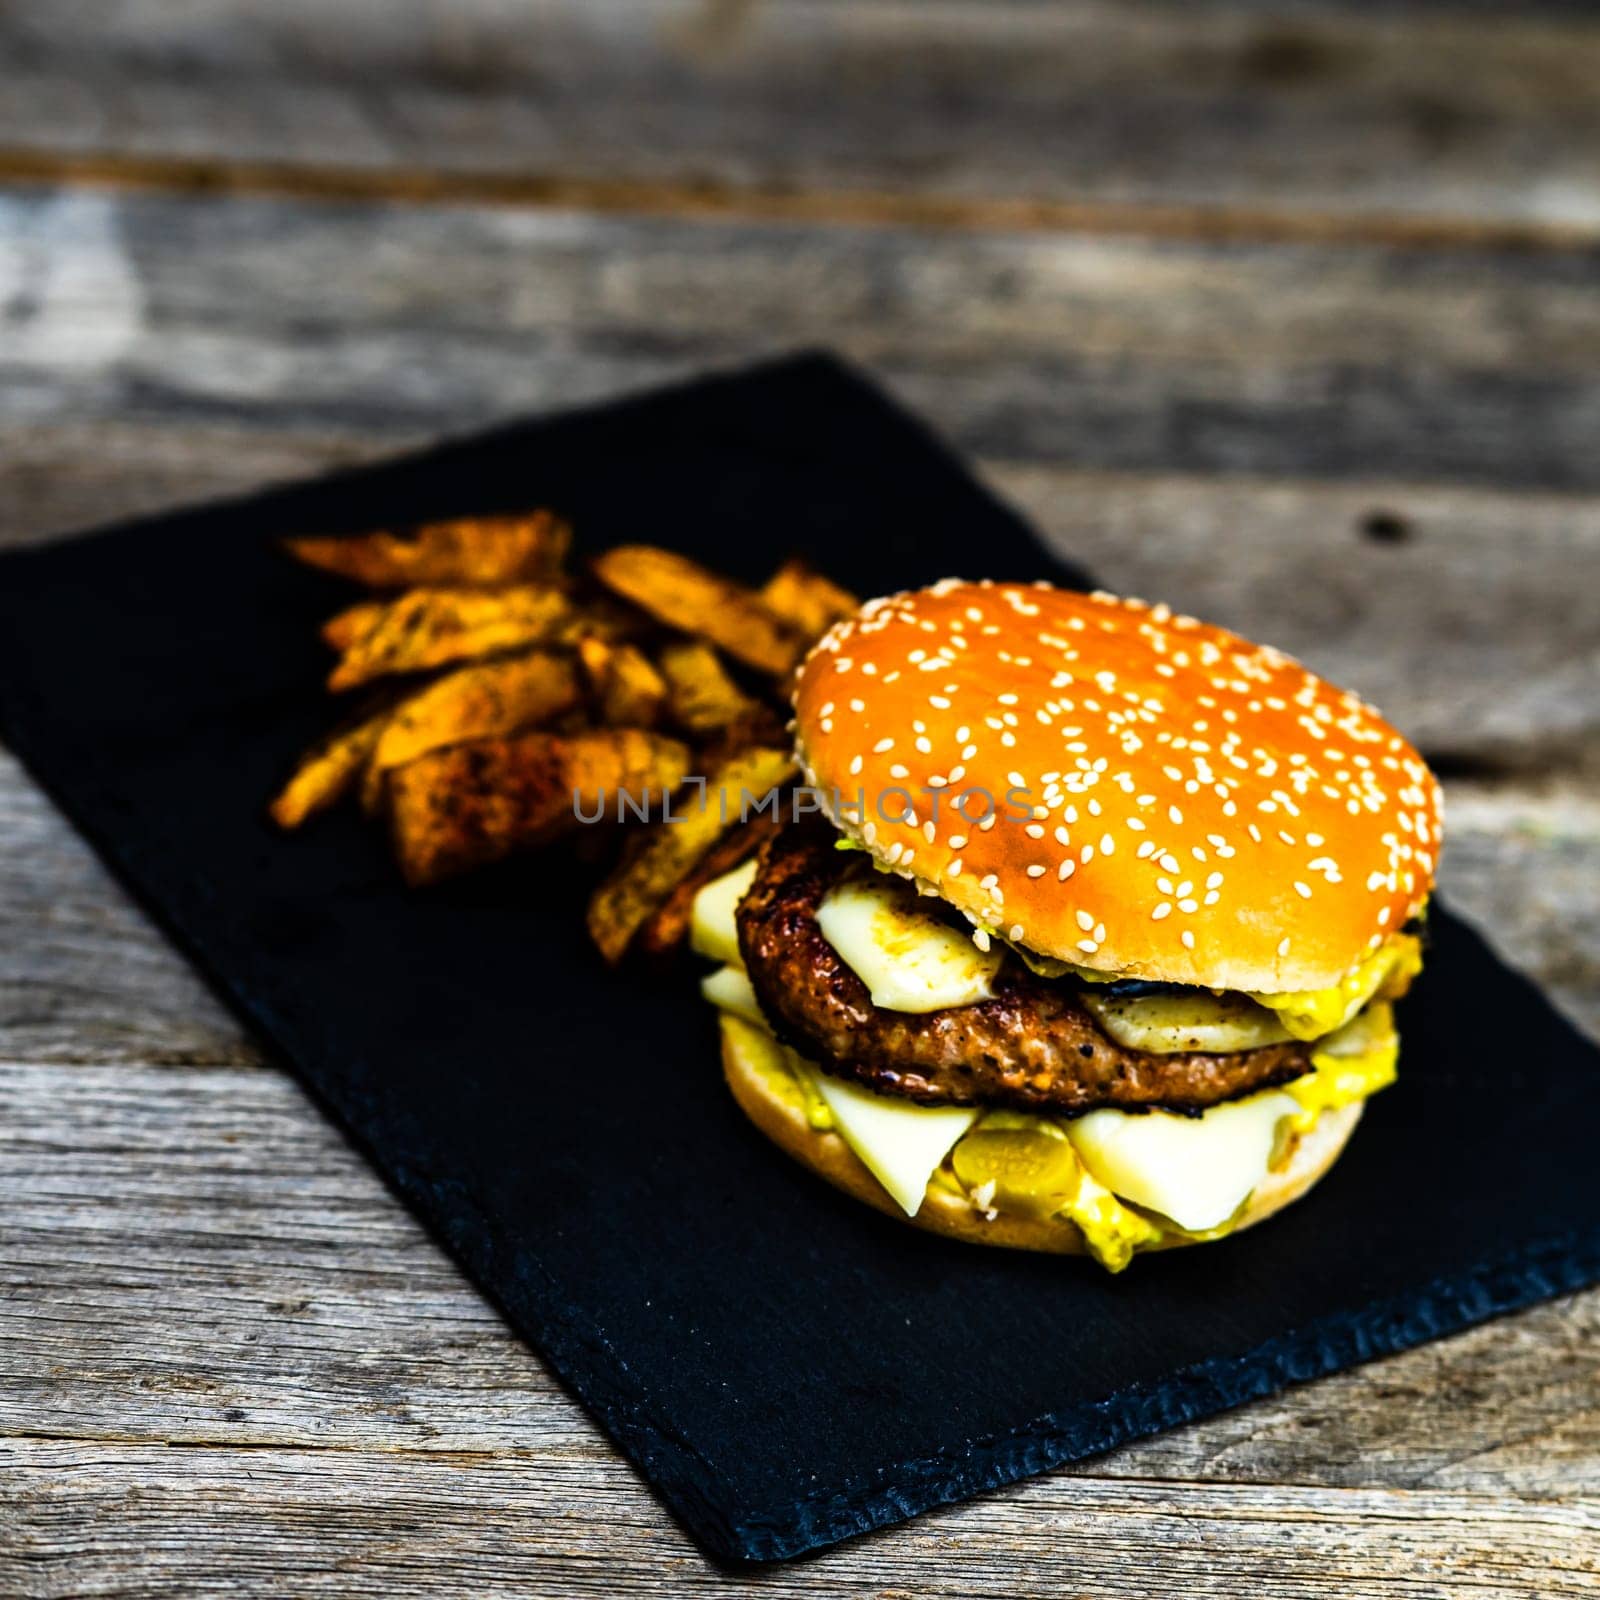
column 1032, row 1047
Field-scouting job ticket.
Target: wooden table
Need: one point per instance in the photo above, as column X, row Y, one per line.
column 1291, row 318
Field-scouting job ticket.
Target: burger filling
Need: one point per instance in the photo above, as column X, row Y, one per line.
column 1026, row 1085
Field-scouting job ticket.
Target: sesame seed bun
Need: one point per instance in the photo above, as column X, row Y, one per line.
column 1168, row 800
column 767, row 1095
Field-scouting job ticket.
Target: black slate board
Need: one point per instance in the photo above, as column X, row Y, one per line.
column 786, row 1367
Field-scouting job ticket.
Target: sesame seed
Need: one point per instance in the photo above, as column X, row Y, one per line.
column 1188, row 938
column 1164, row 909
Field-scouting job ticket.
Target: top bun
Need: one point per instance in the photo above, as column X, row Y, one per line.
column 1117, row 786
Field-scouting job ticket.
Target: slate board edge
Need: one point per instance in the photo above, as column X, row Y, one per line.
column 1559, row 1264
column 1555, row 1265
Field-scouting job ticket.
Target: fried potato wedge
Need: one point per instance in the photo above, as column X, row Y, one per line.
column 666, row 854
column 468, row 804
column 487, row 699
column 328, row 771
column 628, row 689
column 468, row 551
column 437, row 627
column 701, row 697
column 342, row 631
column 807, row 601
column 687, row 596
column 668, row 926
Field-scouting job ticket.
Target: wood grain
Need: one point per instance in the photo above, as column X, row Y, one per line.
column 225, row 1521
column 1328, row 112
column 1337, row 363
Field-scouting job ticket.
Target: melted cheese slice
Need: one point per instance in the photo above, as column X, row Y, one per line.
column 909, row 960
column 1196, row 1170
column 712, row 931
column 1185, row 1019
column 729, row 989
column 901, row 1144
column 1310, row 1013
column 1357, row 1061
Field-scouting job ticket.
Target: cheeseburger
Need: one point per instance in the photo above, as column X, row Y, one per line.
column 1092, row 943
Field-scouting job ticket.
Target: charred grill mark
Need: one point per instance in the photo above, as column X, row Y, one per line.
column 1032, row 1047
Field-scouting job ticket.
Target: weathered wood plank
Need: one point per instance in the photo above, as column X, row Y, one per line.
column 1333, row 362
column 83, row 975
column 225, row 1521
column 1345, row 111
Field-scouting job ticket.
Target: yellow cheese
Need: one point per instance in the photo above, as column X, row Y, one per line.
column 711, row 926
column 1310, row 1013
column 901, row 1144
column 728, row 989
column 1111, row 1230
column 909, row 960
column 1357, row 1061
column 1196, row 1170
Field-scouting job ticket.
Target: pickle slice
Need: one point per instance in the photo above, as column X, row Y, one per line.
column 1017, row 1164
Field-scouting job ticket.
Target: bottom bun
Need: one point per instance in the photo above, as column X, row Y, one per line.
column 769, row 1096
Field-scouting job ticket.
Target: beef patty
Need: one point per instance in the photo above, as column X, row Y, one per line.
column 1032, row 1047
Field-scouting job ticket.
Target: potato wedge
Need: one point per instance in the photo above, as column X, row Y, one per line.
column 687, row 596
column 487, row 699
column 628, row 689
column 468, row 804
column 701, row 697
column 522, row 547
column 668, row 926
column 666, row 854
column 436, row 627
column 807, row 601
column 342, row 631
column 328, row 771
